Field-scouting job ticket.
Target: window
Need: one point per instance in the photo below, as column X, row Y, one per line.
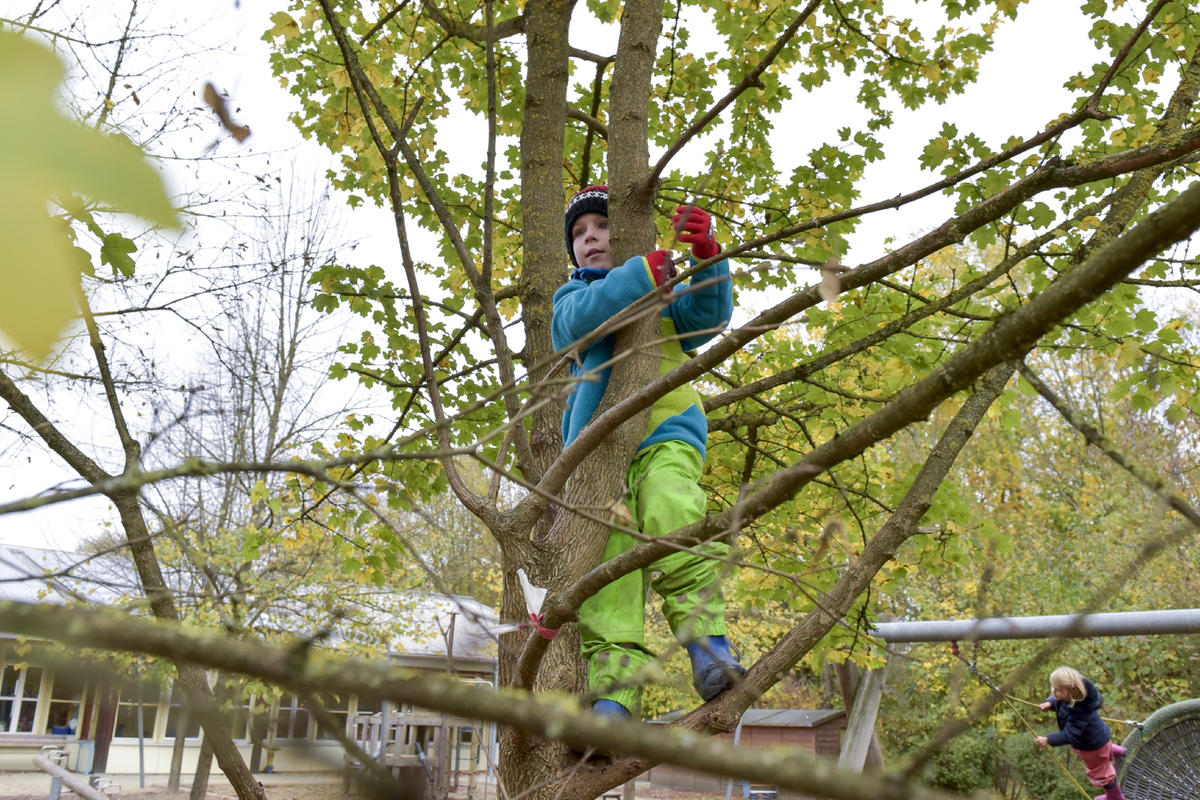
column 19, row 698
column 143, row 698
column 66, row 697
column 8, row 695
column 338, row 708
column 243, row 705
column 293, row 719
column 176, row 712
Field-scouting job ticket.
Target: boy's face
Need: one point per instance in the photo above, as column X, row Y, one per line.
column 1061, row 693
column 589, row 241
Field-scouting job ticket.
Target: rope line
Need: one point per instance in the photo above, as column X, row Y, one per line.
column 992, row 685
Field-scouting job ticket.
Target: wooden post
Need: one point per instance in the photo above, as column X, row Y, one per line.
column 61, row 777
column 861, row 729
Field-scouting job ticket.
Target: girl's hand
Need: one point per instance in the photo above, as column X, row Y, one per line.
column 1045, row 706
column 1042, row 741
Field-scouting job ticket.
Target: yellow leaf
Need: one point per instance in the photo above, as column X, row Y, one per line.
column 340, row 77
column 44, row 156
column 35, row 304
column 285, row 26
column 1131, row 354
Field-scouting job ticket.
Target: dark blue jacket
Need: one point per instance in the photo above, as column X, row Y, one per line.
column 1079, row 723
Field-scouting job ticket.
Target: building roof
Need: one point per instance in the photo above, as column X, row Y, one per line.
column 421, row 627
column 775, row 717
column 34, row 574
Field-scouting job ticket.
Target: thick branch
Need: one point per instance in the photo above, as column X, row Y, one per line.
column 303, row 669
column 79, row 461
column 480, row 34
column 953, row 231
column 723, row 712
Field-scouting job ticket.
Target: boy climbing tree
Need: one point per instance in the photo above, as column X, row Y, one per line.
column 662, row 490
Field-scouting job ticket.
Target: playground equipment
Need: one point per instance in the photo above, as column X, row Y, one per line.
column 1163, row 759
column 1163, row 762
column 1077, row 626
column 51, row 761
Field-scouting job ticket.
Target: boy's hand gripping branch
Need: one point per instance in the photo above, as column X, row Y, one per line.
column 695, row 225
column 662, row 267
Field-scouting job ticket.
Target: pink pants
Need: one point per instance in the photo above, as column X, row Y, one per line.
column 1099, row 764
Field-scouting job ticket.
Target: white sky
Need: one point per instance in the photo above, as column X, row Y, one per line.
column 1019, row 92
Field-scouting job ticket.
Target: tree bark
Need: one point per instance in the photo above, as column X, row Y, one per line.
column 525, row 762
column 199, row 789
column 177, row 749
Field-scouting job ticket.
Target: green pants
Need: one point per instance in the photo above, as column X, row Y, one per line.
column 664, row 495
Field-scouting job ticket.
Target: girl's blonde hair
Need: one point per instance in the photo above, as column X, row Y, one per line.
column 1070, row 679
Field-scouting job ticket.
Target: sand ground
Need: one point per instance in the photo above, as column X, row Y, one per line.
column 279, row 786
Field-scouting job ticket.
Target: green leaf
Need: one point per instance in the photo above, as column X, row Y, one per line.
column 251, row 546
column 116, row 251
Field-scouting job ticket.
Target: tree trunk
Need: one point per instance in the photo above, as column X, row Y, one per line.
column 573, row 545
column 199, row 788
column 177, row 748
column 192, row 679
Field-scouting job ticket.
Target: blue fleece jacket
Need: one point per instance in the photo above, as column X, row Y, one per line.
column 695, row 316
column 1079, row 723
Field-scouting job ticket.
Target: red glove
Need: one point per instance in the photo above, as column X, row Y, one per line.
column 662, row 266
column 695, row 225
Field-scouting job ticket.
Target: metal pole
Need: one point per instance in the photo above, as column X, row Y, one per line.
column 737, row 734
column 141, row 735
column 1121, row 623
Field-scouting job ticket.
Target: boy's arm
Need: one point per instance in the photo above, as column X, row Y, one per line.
column 705, row 309
column 581, row 307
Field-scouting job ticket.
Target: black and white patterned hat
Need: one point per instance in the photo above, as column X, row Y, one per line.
column 589, row 199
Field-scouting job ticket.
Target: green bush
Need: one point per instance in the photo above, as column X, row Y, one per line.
column 1029, row 771
column 967, row 764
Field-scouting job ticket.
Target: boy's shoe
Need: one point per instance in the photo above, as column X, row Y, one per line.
column 610, row 708
column 604, row 708
column 1112, row 792
column 714, row 666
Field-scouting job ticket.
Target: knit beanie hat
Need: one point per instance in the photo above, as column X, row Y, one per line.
column 590, row 199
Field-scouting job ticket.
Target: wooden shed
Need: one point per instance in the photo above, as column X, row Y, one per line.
column 816, row 731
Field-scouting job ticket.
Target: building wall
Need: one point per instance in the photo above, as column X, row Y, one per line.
column 823, row 740
column 35, row 708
